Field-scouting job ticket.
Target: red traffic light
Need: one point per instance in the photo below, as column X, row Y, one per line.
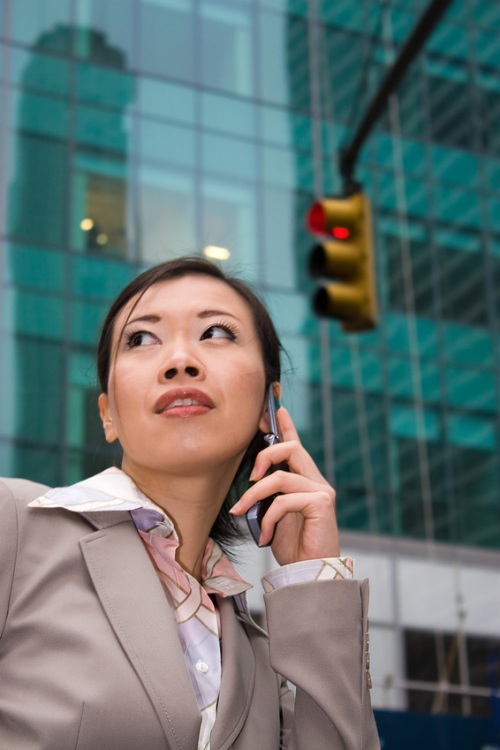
column 341, row 233
column 319, row 222
column 343, row 260
column 316, row 218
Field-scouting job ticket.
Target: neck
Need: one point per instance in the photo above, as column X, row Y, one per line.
column 192, row 503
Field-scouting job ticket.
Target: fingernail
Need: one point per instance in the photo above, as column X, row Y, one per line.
column 235, row 507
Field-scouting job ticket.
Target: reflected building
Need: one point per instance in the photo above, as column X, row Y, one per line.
column 62, row 194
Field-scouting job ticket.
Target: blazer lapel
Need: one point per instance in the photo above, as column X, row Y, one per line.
column 136, row 605
column 238, row 677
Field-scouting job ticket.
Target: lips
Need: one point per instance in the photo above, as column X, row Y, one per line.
column 190, row 399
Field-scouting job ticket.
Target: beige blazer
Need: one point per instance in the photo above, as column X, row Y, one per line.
column 90, row 658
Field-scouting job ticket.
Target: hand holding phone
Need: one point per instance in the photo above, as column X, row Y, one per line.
column 256, row 513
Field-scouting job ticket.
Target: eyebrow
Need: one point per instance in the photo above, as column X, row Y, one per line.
column 153, row 318
column 143, row 319
column 215, row 313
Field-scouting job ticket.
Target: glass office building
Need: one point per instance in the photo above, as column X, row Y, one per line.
column 132, row 131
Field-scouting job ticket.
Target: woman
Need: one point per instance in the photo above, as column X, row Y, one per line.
column 123, row 625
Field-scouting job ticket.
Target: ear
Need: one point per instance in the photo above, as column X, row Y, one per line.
column 106, row 418
column 264, row 424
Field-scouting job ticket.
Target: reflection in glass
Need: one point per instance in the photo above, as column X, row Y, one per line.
column 41, row 189
column 228, row 220
column 166, row 38
column 226, row 47
column 166, row 221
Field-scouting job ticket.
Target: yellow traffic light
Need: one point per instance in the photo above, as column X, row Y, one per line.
column 347, row 258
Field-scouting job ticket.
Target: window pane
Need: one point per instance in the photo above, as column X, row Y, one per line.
column 284, row 61
column 279, row 212
column 37, row 199
column 8, row 380
column 166, row 29
column 86, row 321
column 40, row 73
column 99, row 205
column 409, row 275
column 37, row 315
column 229, row 157
column 344, row 85
column 166, row 225
column 103, row 34
column 100, row 85
column 167, row 101
column 38, row 463
column 474, row 389
column 104, row 129
column 229, row 221
column 463, row 344
column 45, row 23
column 463, row 287
column 226, row 48
column 38, row 402
column 98, row 278
column 228, row 115
column 34, row 268
column 170, row 144
column 452, row 111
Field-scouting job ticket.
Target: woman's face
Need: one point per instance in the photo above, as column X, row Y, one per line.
column 187, row 384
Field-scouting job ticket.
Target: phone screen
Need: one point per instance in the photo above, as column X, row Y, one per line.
column 256, row 513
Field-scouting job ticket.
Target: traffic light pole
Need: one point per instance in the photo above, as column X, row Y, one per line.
column 407, row 54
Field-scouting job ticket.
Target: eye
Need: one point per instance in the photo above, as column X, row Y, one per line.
column 139, row 338
column 219, row 331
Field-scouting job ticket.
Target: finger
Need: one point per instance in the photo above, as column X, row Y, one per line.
column 286, row 426
column 291, row 452
column 317, row 512
column 271, row 456
column 281, row 482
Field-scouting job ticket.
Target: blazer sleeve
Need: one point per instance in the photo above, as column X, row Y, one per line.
column 8, row 549
column 318, row 636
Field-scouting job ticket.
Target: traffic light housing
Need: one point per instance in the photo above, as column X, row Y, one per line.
column 347, row 258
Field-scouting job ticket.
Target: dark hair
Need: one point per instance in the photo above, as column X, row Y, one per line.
column 225, row 529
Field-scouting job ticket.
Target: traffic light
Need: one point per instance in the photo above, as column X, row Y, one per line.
column 347, row 257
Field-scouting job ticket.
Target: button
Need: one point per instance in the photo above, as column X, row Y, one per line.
column 202, row 667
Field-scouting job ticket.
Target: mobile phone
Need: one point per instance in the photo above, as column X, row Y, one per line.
column 256, row 513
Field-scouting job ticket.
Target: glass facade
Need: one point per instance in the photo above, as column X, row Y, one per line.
column 132, row 136
column 132, row 131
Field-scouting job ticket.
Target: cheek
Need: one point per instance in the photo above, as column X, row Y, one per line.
column 124, row 394
column 251, row 389
column 125, row 383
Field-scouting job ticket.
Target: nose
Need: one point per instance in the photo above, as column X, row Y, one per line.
column 180, row 362
column 193, row 372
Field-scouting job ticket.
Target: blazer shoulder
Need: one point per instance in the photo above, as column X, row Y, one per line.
column 15, row 494
column 22, row 491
